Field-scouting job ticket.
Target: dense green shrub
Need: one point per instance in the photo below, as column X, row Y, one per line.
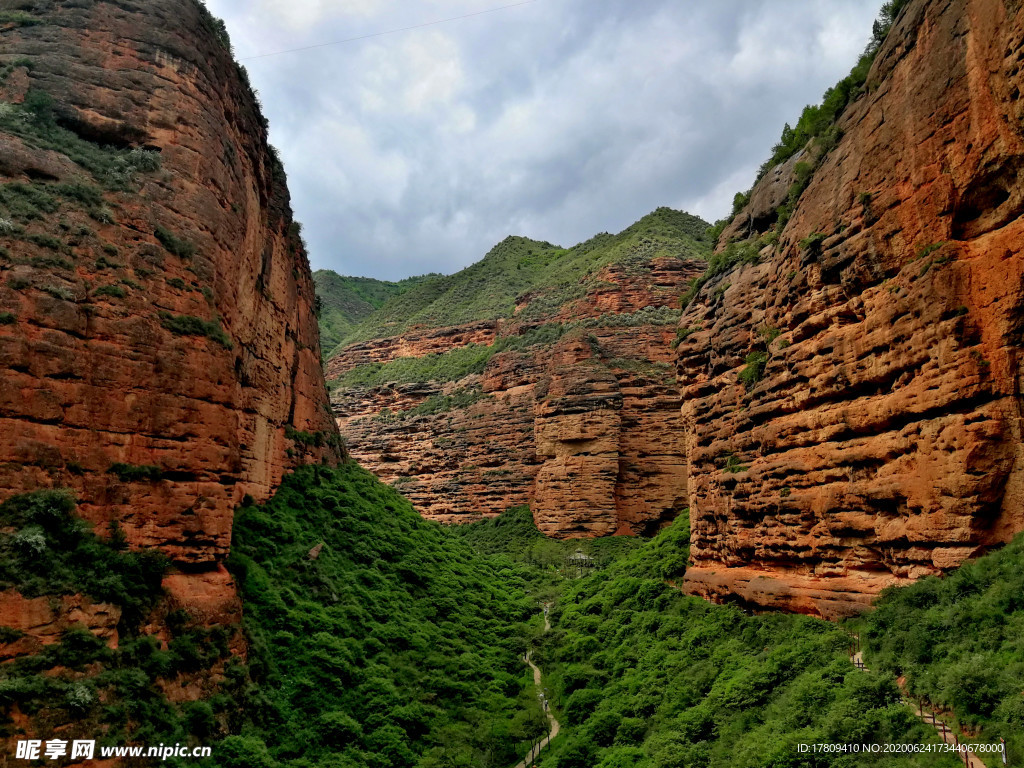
column 86, row 194
column 115, row 291
column 646, row 676
column 44, row 241
column 173, row 244
column 959, row 641
column 188, row 325
column 50, row 551
column 133, row 472
column 19, row 18
column 395, row 646
column 27, row 201
column 753, row 369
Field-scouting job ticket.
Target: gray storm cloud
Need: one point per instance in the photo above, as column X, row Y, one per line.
column 417, row 151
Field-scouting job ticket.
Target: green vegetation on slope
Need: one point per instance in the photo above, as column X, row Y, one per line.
column 378, row 639
column 78, row 684
column 394, row 646
column 816, row 130
column 46, row 550
column 473, row 358
column 643, row 676
column 345, row 301
column 518, row 266
column 512, row 542
column 819, row 121
column 960, row 643
column 375, row 638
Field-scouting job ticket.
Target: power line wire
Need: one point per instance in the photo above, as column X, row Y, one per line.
column 389, row 31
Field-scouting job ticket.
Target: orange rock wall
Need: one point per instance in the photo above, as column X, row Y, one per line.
column 883, row 442
column 417, row 343
column 90, row 380
column 586, row 431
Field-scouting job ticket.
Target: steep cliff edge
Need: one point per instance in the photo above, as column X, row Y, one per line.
column 158, row 348
column 538, row 376
column 852, row 401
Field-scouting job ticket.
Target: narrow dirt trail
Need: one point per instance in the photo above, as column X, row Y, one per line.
column 538, row 681
column 947, row 735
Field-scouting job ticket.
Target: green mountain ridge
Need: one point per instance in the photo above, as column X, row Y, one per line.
column 345, row 301
column 519, row 267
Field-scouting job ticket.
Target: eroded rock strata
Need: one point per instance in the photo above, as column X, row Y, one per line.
column 877, row 436
column 158, row 349
column 584, row 428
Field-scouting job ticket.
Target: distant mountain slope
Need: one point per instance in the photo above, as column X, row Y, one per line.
column 536, row 276
column 347, row 300
column 533, row 373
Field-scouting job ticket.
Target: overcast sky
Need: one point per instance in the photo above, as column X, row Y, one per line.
column 417, row 151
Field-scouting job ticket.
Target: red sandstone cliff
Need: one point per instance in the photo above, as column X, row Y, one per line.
column 158, row 317
column 883, row 439
column 585, row 429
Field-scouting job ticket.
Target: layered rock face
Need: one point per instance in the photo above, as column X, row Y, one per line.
column 158, row 348
column 583, row 425
column 874, row 435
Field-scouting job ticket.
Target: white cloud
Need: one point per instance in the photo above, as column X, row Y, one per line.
column 309, row 15
column 418, row 151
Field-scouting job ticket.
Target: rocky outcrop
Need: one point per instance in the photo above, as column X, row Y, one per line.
column 417, row 343
column 40, row 621
column 852, row 404
column 584, row 428
column 158, row 348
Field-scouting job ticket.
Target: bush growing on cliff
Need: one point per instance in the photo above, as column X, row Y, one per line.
column 135, row 472
column 753, row 370
column 818, row 120
column 50, row 551
column 188, row 325
column 45, row 123
column 19, row 18
column 738, row 252
column 173, row 244
column 435, row 404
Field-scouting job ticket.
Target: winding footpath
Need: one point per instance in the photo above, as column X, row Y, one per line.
column 946, row 733
column 538, row 681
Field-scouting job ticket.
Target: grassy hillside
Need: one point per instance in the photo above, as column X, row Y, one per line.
column 960, row 643
column 518, row 266
column 473, row 358
column 345, row 301
column 645, row 677
column 379, row 640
